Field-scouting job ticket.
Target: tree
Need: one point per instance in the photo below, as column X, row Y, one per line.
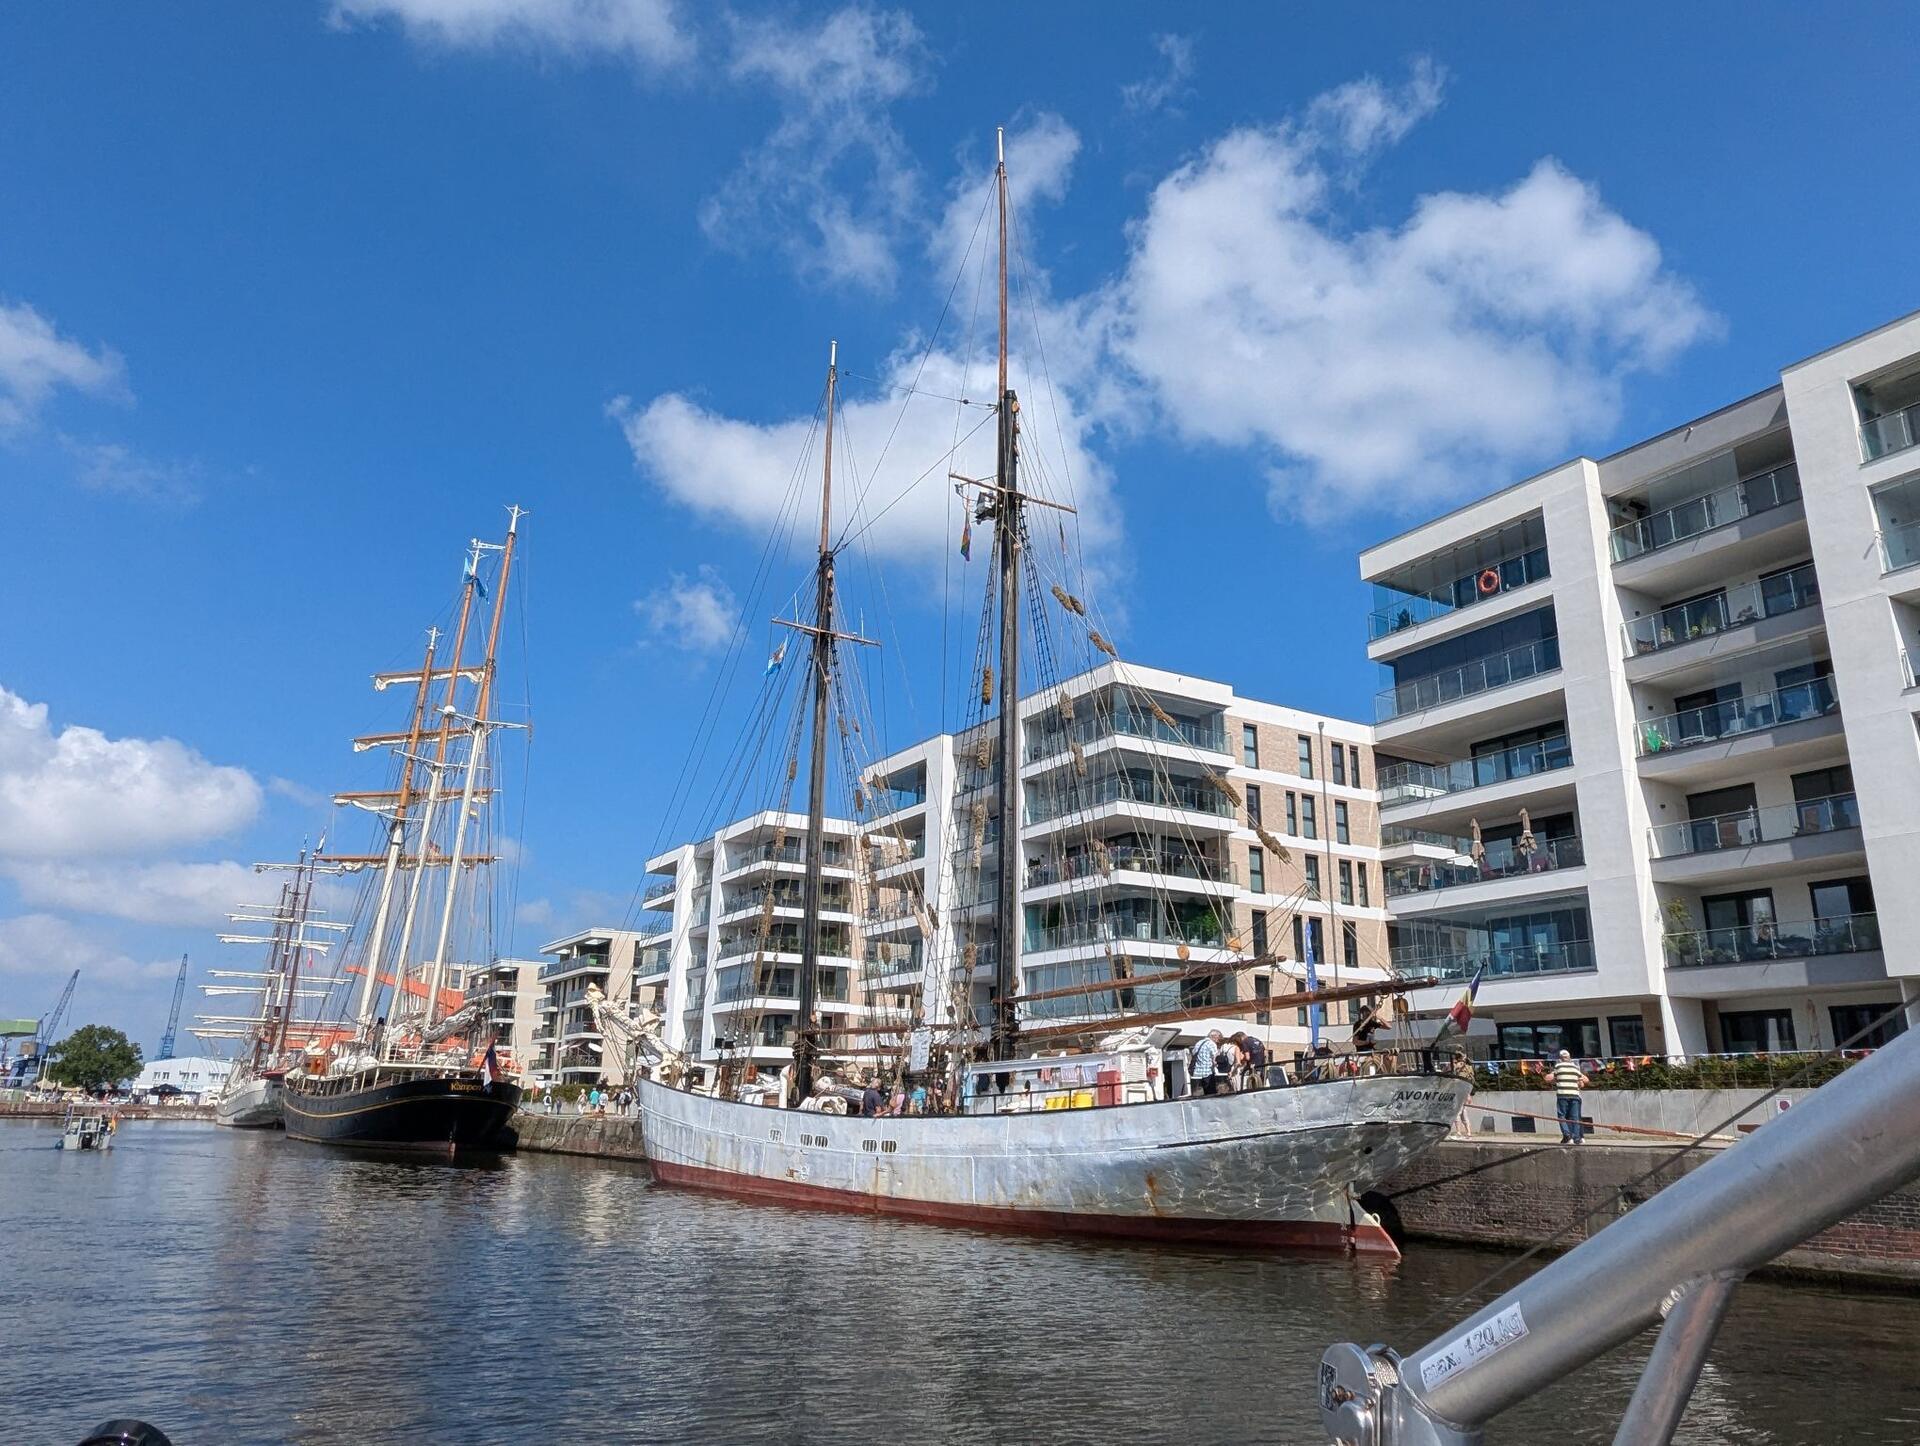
column 94, row 1057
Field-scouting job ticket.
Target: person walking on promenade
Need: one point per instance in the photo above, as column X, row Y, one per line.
column 1200, row 1065
column 1568, row 1081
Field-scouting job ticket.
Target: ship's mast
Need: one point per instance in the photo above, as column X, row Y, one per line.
column 1007, row 543
column 822, row 657
column 477, row 727
column 396, row 842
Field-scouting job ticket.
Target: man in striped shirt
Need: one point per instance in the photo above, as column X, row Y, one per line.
column 1568, row 1081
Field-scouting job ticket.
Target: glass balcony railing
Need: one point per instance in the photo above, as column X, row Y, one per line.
column 1394, row 835
column 1504, row 859
column 1203, row 931
column 1574, row 956
column 1770, row 939
column 885, row 960
column 1204, row 733
column 1906, row 667
column 1415, row 782
column 1899, row 547
column 1191, row 797
column 881, row 801
column 573, row 965
column 1482, row 675
column 1773, row 824
column 1738, row 716
column 833, row 854
column 1137, row 860
column 1772, row 597
column 1396, row 610
column 1893, row 432
column 1696, row 515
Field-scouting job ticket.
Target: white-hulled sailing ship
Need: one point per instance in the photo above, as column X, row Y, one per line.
column 273, row 1035
column 400, row 1072
column 1016, row 1137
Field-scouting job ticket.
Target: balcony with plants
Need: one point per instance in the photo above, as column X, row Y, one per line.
column 1726, row 610
column 1752, row 827
column 1125, row 921
column 1407, row 782
column 1740, row 712
column 1497, row 943
column 1477, row 862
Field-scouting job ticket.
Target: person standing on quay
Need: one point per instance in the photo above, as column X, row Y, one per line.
column 1568, row 1081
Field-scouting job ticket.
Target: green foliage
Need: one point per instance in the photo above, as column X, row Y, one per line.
column 1721, row 1072
column 94, row 1057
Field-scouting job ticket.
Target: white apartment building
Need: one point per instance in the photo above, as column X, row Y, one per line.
column 510, row 993
column 1650, row 685
column 566, row 1046
column 1135, row 860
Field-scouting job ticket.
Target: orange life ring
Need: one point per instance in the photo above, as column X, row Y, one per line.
column 1489, row 582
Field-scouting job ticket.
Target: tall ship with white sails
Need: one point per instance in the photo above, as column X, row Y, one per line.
column 273, row 1034
column 399, row 1071
column 1018, row 1133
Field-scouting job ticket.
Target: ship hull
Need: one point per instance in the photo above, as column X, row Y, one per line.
column 403, row 1113
column 1280, row 1168
column 252, row 1104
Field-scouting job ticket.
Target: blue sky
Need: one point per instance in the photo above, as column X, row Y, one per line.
column 294, row 297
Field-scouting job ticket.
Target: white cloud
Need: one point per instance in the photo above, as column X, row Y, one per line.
column 36, row 361
column 646, row 32
column 1397, row 366
column 113, row 468
column 1041, row 151
column 1159, row 92
column 77, row 792
column 46, row 946
column 536, row 913
column 186, row 894
column 697, row 615
column 833, row 185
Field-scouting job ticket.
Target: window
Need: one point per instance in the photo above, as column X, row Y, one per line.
column 1880, row 1026
column 1313, row 878
column 1346, row 881
column 1259, row 933
column 1293, row 823
column 1350, row 945
column 1545, row 1039
column 1308, row 824
column 1299, row 987
column 1835, row 899
column 1299, row 941
column 1262, row 989
column 1353, row 765
column 1340, row 834
column 1628, row 1032
column 1257, row 870
column 1337, row 757
column 1249, row 745
column 1253, row 803
column 1306, row 756
column 1361, row 869
column 1756, row 1031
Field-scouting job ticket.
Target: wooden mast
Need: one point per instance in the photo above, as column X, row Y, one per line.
column 822, row 657
column 1007, row 529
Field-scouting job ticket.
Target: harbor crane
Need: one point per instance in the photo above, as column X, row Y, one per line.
column 50, row 1023
column 173, row 1014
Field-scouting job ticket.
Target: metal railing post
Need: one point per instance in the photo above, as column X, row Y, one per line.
column 1693, row 1315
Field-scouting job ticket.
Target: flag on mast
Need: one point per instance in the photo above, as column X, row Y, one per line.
column 1315, row 1012
column 1461, row 1015
column 490, row 1066
column 779, row 656
column 966, row 540
column 473, row 576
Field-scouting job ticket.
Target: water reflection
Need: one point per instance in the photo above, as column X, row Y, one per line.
column 238, row 1287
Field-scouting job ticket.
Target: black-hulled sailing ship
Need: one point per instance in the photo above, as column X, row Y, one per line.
column 401, row 1075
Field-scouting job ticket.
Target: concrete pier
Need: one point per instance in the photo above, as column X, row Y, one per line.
column 611, row 1137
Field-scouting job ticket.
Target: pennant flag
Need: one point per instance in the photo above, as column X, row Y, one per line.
column 966, row 541
column 478, row 586
column 779, row 657
column 1461, row 1014
column 1317, row 1012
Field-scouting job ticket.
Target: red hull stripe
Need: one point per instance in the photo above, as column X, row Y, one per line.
column 1279, row 1234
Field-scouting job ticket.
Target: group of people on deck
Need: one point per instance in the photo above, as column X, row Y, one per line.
column 1227, row 1064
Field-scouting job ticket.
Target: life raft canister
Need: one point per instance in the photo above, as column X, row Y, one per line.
column 1489, row 582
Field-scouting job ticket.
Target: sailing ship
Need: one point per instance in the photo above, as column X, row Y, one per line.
column 398, row 1072
column 273, row 1033
column 1020, row 1138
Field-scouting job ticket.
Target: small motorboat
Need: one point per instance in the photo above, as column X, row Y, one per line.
column 87, row 1130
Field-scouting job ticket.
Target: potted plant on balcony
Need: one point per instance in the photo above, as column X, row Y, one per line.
column 1679, row 935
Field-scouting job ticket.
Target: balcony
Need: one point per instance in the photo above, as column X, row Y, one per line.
column 1707, row 617
column 1737, row 717
column 1420, row 782
column 888, row 960
column 1776, row 824
column 1889, row 432
column 1482, row 675
column 1129, row 859
column 1772, row 940
column 578, row 964
column 833, row 855
column 1704, row 513
column 883, row 801
column 1899, row 547
column 1575, row 956
column 1149, row 792
column 657, row 893
column 1468, row 579
column 1202, row 931
column 1206, row 734
column 1503, row 859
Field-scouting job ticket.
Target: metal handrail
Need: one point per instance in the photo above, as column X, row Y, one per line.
column 1190, row 733
column 1413, row 782
column 1504, row 859
column 1899, row 546
column 1706, row 617
column 1746, row 498
column 1468, row 680
column 1889, row 432
column 1571, row 956
column 1045, row 805
column 1814, row 698
column 1410, row 609
column 1772, row 824
column 1769, row 939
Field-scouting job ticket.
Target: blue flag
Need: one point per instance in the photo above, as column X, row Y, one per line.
column 1315, row 1012
column 473, row 577
column 779, row 656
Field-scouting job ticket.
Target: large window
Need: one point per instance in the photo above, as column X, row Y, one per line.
column 1340, row 833
column 1628, row 1033
column 1259, row 933
column 1306, row 756
column 1257, row 870
column 1249, row 745
column 1544, row 1039
column 1881, row 1023
column 1756, row 1031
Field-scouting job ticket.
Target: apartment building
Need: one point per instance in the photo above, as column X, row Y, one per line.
column 1135, row 860
column 566, row 1046
column 510, row 995
column 1647, row 740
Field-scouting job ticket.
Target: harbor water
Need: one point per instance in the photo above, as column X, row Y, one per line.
column 240, row 1287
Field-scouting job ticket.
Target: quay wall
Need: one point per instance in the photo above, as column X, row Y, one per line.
column 40, row 1110
column 611, row 1137
column 1677, row 1112
column 1504, row 1193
